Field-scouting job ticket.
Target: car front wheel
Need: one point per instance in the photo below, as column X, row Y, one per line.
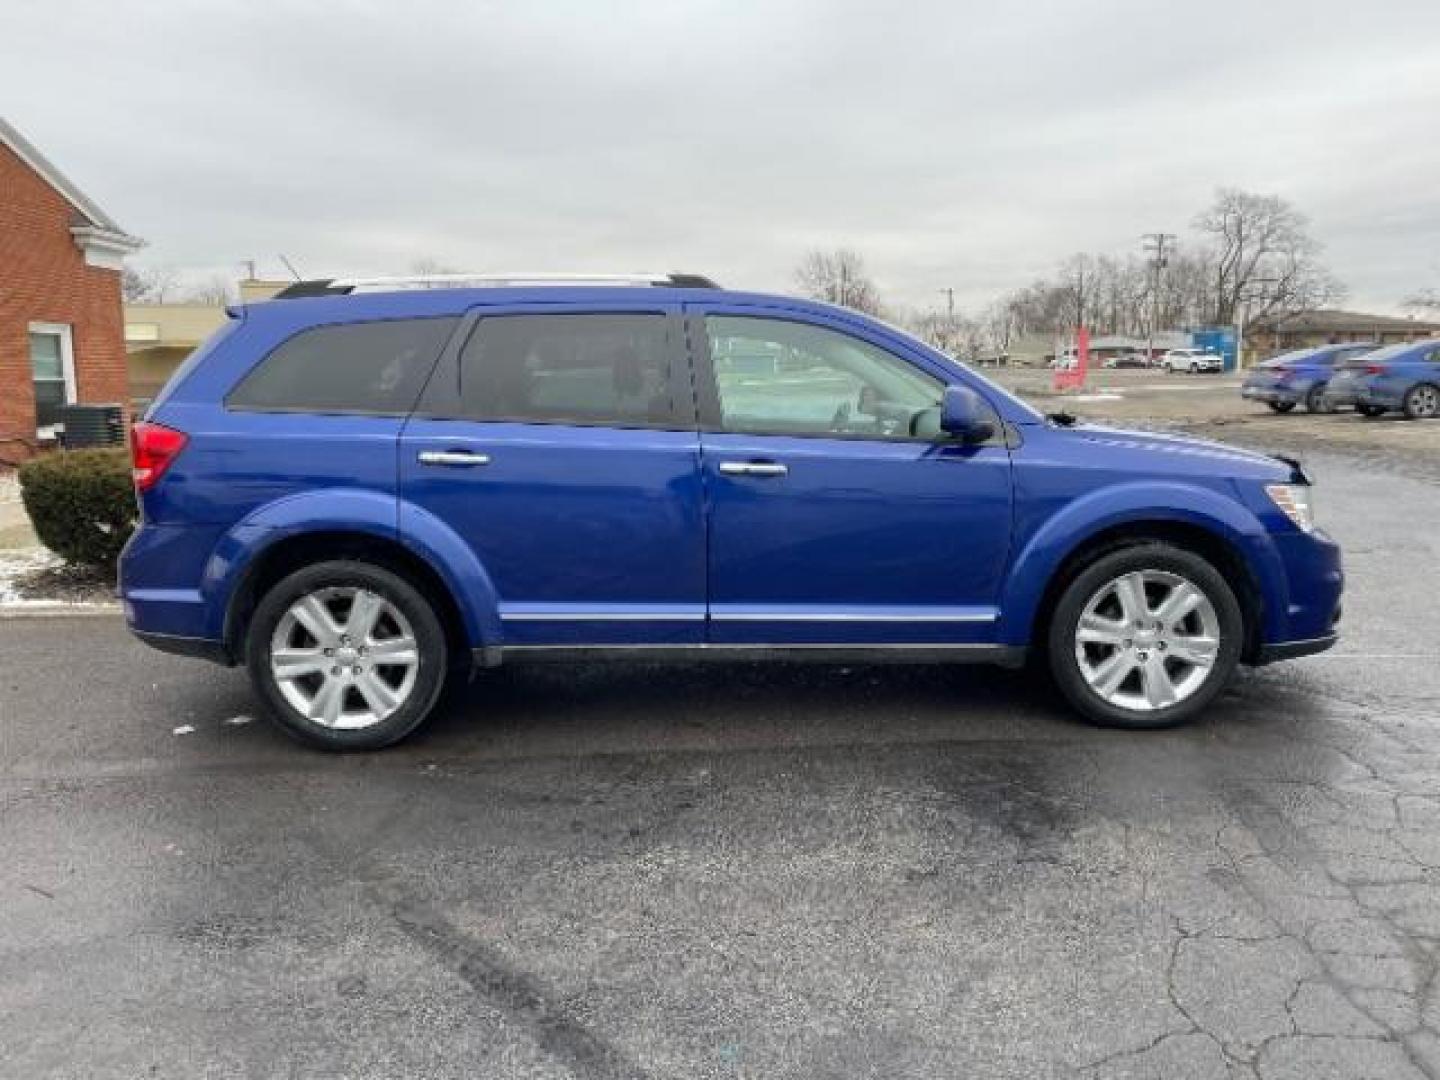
column 347, row 655
column 1282, row 406
column 1145, row 637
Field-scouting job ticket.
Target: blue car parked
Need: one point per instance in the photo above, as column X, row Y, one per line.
column 1401, row 378
column 360, row 487
column 1302, row 376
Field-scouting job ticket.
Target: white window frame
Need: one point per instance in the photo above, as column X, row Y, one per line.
column 67, row 363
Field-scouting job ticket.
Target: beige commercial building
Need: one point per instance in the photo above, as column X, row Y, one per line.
column 158, row 337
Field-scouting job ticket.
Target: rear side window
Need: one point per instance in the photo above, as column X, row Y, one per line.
column 601, row 370
column 372, row 368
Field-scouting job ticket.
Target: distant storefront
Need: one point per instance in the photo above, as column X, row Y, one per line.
column 1305, row 329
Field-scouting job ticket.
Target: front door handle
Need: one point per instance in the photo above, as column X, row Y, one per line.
column 456, row 459
column 753, row 468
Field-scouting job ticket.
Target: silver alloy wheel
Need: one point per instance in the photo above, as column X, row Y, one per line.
column 1427, row 400
column 344, row 657
column 1147, row 640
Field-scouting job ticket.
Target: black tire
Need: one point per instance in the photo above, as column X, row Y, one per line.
column 1422, row 402
column 1315, row 400
column 1158, row 556
column 1282, row 406
column 391, row 587
column 1370, row 412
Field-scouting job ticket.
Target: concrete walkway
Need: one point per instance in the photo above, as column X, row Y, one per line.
column 15, row 531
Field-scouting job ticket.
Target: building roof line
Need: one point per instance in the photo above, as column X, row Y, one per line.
column 26, row 152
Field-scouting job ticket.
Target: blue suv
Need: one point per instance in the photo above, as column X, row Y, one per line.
column 360, row 487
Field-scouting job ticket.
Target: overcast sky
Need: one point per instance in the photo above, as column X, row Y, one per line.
column 952, row 143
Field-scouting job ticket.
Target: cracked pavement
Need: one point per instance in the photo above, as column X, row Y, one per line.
column 738, row 871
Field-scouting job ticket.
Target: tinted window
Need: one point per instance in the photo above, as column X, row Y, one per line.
column 369, row 368
column 787, row 378
column 579, row 369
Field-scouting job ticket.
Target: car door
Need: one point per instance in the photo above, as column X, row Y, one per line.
column 837, row 513
column 562, row 448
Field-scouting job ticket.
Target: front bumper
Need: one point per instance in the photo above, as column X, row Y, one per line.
column 1289, row 650
column 1314, row 584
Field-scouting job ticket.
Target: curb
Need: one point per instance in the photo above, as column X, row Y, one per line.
column 58, row 610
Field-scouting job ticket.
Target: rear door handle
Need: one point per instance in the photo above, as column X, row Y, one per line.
column 753, row 468
column 455, row 459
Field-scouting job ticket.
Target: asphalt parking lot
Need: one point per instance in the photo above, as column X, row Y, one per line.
column 738, row 871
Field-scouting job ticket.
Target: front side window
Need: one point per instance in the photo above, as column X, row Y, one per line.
column 787, row 378
column 370, row 369
column 609, row 370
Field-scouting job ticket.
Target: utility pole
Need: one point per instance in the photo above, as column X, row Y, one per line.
column 843, row 290
column 1156, row 243
column 949, row 318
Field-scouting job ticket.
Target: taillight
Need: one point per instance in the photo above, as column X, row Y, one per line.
column 152, row 448
column 1374, row 369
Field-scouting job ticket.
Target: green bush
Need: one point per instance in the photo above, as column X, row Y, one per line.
column 82, row 504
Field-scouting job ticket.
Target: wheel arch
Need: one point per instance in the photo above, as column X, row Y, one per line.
column 1211, row 546
column 1219, row 530
column 370, row 527
column 301, row 549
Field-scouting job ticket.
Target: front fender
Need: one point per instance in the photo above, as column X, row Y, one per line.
column 1091, row 514
column 352, row 511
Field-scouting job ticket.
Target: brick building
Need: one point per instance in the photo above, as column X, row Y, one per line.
column 61, row 328
column 1306, row 329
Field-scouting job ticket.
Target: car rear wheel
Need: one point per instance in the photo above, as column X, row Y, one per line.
column 346, row 655
column 1282, row 406
column 1422, row 402
column 1145, row 637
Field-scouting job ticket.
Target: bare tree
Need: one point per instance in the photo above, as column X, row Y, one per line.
column 147, row 284
column 1077, row 288
column 426, row 266
column 1426, row 300
column 216, row 291
column 1264, row 257
column 839, row 277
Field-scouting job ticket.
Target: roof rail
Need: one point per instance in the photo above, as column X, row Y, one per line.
column 343, row 286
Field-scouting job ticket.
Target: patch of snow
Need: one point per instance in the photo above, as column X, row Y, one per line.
column 236, row 721
column 184, row 729
column 16, row 564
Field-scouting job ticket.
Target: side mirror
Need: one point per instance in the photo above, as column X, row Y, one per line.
column 965, row 415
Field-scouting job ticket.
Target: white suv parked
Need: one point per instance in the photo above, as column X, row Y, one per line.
column 1192, row 360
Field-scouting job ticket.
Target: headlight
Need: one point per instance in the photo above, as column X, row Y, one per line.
column 1296, row 501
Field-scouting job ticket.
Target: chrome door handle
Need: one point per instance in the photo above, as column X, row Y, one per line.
column 462, row 459
column 753, row 468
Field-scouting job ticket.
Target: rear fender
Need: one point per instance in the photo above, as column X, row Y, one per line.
column 362, row 512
